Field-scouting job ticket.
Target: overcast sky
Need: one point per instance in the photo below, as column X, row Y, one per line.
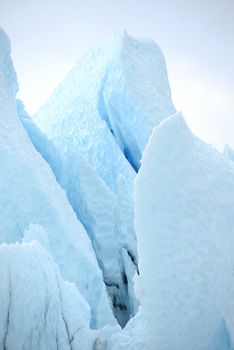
column 197, row 38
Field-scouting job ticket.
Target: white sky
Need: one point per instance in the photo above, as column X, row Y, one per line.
column 197, row 38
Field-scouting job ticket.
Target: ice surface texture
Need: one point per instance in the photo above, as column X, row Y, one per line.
column 29, row 194
column 184, row 212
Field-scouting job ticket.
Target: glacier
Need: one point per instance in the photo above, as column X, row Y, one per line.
column 116, row 228
column 184, row 204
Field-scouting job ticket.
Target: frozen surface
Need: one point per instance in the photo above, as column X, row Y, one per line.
column 29, row 194
column 184, row 209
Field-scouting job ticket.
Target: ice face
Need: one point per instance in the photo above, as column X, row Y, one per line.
column 29, row 194
column 184, row 212
column 134, row 95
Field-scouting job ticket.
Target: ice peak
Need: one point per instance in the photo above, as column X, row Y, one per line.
column 176, row 122
column 168, row 128
column 120, row 34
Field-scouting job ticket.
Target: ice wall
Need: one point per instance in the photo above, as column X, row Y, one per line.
column 184, row 216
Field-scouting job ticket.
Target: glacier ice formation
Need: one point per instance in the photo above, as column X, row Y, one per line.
column 112, row 210
column 98, row 121
column 184, row 203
